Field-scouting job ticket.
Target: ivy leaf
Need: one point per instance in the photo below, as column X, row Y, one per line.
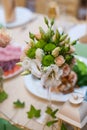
column 3, row 96
column 19, row 104
column 51, row 112
column 50, row 123
column 63, row 127
column 33, row 112
column 48, row 110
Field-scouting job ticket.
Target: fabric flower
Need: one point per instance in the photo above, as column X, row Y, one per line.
column 51, row 78
column 34, row 66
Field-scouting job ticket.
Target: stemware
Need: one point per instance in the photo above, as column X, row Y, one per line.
column 53, row 11
column 9, row 10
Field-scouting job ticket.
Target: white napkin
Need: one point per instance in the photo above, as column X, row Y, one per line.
column 77, row 31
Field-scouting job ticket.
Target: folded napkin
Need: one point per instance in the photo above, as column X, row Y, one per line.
column 5, row 125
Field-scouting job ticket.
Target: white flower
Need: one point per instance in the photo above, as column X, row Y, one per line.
column 39, row 54
column 55, row 52
column 51, row 78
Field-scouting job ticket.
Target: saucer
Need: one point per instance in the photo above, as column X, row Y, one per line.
column 23, row 15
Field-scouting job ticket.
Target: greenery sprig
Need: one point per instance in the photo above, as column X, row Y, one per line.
column 36, row 113
column 19, row 104
column 3, row 96
column 33, row 112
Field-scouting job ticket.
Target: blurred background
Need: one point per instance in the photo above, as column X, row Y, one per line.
column 75, row 8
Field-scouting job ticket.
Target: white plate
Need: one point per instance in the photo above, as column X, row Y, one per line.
column 23, row 15
column 13, row 74
column 34, row 86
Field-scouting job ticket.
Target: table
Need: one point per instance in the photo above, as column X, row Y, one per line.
column 15, row 86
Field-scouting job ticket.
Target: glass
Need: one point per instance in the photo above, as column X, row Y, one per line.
column 52, row 9
column 9, row 10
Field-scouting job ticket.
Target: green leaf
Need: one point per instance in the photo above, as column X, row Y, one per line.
column 69, row 58
column 46, row 21
column 42, row 32
column 3, row 96
column 57, row 34
column 52, row 22
column 51, row 112
column 74, row 42
column 81, row 70
column 63, row 37
column 82, row 67
column 19, row 104
column 50, row 123
column 48, row 110
column 48, row 35
column 31, row 35
column 33, row 112
column 63, row 127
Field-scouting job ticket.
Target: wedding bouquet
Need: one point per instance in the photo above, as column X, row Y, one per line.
column 49, row 56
